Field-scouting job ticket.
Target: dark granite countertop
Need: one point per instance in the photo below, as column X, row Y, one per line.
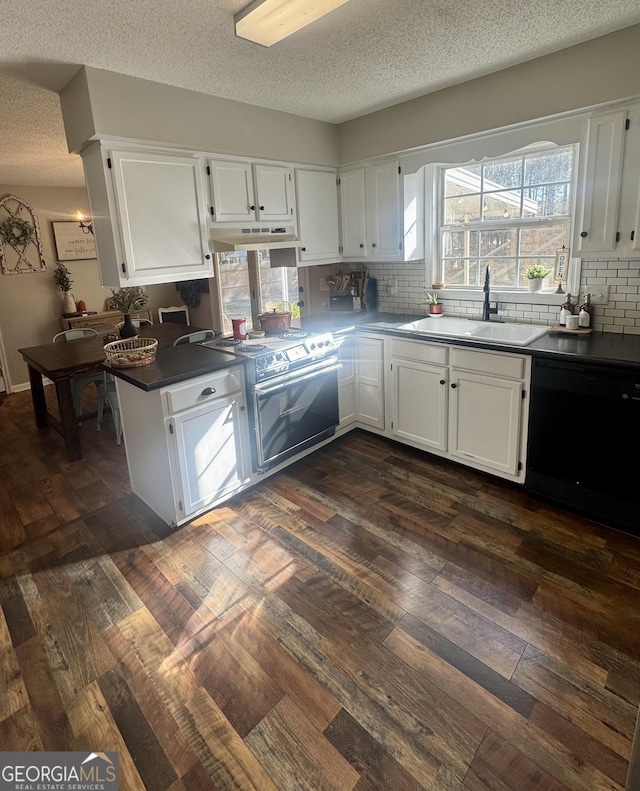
column 175, row 364
column 602, row 348
column 179, row 363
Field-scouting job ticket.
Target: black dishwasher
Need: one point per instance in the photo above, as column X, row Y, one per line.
column 584, row 440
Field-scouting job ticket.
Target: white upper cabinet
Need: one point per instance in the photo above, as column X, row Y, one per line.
column 629, row 225
column 149, row 217
column 610, row 212
column 383, row 211
column 370, row 210
column 317, row 200
column 274, row 193
column 244, row 192
column 353, row 218
column 232, row 191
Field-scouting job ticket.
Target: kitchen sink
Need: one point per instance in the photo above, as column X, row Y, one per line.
column 516, row 334
column 511, row 334
column 444, row 325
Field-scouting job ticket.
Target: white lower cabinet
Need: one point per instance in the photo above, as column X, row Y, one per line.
column 465, row 404
column 419, row 401
column 370, row 398
column 347, row 383
column 187, row 444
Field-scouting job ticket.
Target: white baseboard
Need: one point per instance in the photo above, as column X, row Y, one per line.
column 20, row 388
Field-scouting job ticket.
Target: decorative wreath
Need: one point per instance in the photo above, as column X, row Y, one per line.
column 16, row 232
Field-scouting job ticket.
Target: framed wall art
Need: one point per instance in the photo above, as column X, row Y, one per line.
column 72, row 243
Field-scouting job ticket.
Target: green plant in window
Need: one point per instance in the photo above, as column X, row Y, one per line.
column 536, row 272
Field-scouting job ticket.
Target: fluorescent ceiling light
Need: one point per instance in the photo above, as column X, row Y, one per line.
column 269, row 21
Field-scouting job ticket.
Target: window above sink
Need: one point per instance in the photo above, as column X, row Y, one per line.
column 511, row 213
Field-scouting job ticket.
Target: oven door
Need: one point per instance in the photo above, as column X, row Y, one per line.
column 295, row 411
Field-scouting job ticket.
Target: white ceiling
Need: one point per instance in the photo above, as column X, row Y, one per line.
column 365, row 55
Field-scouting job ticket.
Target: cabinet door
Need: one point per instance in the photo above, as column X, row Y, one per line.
column 485, row 420
column 353, row 215
column 629, row 224
column 210, row 453
column 370, row 381
column 347, row 383
column 232, row 191
column 274, row 193
column 597, row 232
column 420, row 403
column 383, row 211
column 161, row 216
column 317, row 198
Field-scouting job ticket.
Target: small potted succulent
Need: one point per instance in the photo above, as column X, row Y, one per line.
column 435, row 307
column 535, row 274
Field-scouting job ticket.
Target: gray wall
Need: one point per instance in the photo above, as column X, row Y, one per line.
column 31, row 304
column 601, row 70
column 102, row 103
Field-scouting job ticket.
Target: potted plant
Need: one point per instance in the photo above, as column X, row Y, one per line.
column 189, row 291
column 62, row 279
column 127, row 300
column 535, row 274
column 435, row 307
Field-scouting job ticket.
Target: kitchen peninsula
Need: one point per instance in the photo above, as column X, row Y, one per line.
column 190, row 435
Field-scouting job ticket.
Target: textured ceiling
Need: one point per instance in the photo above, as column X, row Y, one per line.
column 365, row 55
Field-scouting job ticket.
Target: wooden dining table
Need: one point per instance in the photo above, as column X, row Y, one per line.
column 67, row 360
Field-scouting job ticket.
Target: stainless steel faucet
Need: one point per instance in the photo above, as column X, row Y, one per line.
column 487, row 310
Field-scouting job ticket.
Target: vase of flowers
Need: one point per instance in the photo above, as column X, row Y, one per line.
column 62, row 279
column 127, row 300
column 535, row 276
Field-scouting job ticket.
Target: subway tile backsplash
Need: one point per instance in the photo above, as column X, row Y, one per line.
column 401, row 289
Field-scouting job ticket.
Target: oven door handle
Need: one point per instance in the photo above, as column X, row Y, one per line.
column 263, row 391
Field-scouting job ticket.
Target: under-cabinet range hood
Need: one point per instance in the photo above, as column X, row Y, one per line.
column 227, row 240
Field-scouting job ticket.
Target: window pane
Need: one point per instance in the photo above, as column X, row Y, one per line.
column 499, row 242
column 501, row 205
column 234, row 288
column 543, row 240
column 462, row 210
column 503, row 174
column 547, row 201
column 460, row 243
column 548, row 167
column 503, row 270
column 462, row 181
column 278, row 286
column 461, row 272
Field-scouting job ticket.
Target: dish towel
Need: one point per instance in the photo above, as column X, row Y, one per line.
column 371, row 294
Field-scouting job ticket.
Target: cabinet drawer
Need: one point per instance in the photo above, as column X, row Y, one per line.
column 505, row 365
column 199, row 391
column 419, row 351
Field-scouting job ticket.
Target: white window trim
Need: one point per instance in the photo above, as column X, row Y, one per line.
column 433, row 262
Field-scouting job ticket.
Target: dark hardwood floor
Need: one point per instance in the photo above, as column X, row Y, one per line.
column 372, row 618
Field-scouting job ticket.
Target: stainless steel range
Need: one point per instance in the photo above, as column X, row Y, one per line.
column 292, row 384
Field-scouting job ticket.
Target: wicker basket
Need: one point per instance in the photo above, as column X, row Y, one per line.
column 132, row 352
